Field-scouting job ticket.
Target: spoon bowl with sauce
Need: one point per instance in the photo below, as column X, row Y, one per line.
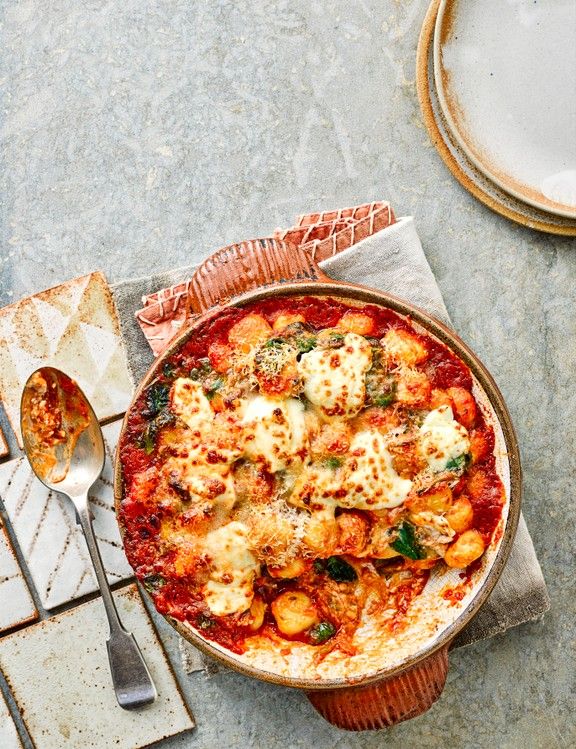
column 64, row 444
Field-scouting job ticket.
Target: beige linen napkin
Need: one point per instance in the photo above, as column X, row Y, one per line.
column 391, row 260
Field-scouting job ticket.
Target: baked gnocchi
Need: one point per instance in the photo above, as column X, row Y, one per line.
column 299, row 460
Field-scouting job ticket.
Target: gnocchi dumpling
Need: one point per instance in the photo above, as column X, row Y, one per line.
column 285, row 319
column 413, row 388
column 321, row 534
column 356, row 322
column 464, row 406
column 404, row 348
column 256, row 613
column 466, row 549
column 248, row 332
column 293, row 569
column 294, row 612
column 460, row 515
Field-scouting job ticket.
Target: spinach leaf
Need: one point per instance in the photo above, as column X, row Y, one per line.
column 202, row 369
column 340, row 571
column 384, row 399
column 380, row 384
column 333, row 463
column 275, row 343
column 319, row 566
column 153, row 582
column 297, row 335
column 211, row 388
column 157, row 397
column 406, row 543
column 321, row 632
column 169, row 370
column 147, row 439
column 304, row 345
column 459, row 463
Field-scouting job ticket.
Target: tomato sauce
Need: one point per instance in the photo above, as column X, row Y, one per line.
column 487, row 500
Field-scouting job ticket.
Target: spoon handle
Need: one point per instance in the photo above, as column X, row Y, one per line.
column 132, row 681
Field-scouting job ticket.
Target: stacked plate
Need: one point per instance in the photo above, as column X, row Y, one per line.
column 497, row 87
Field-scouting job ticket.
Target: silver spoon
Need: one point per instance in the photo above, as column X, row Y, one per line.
column 65, row 447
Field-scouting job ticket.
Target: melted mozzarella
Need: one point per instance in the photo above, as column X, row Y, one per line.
column 232, row 570
column 334, row 378
column 275, row 431
column 191, row 405
column 314, row 491
column 205, row 474
column 370, row 480
column 315, row 487
column 366, row 480
column 442, row 438
column 201, row 465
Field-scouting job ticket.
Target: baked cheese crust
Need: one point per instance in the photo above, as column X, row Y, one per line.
column 300, row 463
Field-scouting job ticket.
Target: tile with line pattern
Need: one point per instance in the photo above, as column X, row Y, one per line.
column 52, row 544
column 3, row 445
column 16, row 604
column 74, row 327
column 58, row 673
column 9, row 738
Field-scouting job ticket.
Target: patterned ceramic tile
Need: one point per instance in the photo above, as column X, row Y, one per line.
column 16, row 604
column 9, row 738
column 74, row 327
column 51, row 542
column 58, row 672
column 3, row 445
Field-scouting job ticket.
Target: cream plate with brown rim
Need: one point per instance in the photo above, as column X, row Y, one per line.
column 456, row 160
column 505, row 74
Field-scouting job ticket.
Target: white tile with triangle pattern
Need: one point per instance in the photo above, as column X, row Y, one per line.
column 16, row 604
column 9, row 738
column 52, row 544
column 59, row 676
column 74, row 327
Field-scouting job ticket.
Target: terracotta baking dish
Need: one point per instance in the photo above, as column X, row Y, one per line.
column 382, row 696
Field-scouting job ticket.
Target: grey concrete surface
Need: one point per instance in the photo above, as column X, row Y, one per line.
column 140, row 135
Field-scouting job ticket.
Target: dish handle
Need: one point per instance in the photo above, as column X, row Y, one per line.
column 256, row 263
column 386, row 702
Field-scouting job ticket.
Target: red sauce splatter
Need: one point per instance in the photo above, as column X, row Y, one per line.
column 453, row 595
